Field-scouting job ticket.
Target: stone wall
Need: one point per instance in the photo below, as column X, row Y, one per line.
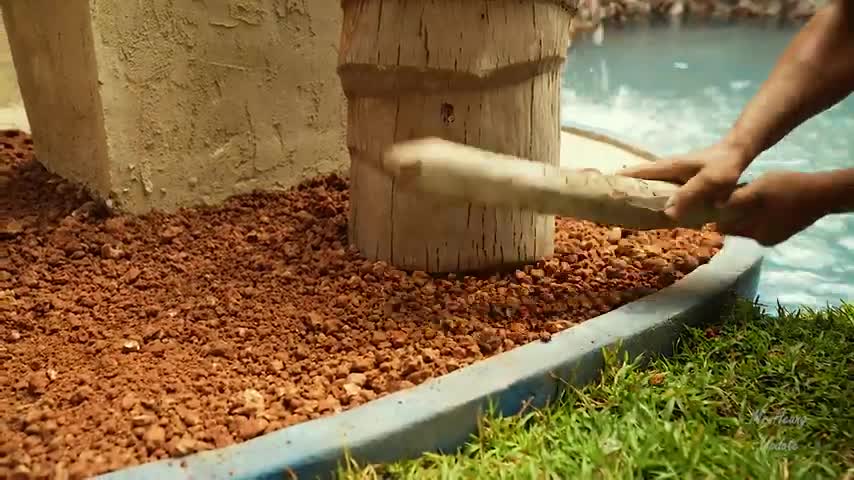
column 624, row 11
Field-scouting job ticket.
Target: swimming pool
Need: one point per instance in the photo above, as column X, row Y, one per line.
column 670, row 89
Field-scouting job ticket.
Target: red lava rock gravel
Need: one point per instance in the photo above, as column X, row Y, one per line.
column 129, row 339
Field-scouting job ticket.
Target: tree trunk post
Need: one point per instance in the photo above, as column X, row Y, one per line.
column 483, row 73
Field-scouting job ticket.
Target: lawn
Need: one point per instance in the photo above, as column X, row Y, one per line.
column 759, row 397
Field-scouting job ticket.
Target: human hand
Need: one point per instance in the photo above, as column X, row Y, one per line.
column 708, row 177
column 773, row 208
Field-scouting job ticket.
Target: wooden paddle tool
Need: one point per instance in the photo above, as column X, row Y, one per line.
column 461, row 173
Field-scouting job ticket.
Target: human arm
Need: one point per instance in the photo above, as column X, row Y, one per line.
column 778, row 205
column 833, row 191
column 815, row 71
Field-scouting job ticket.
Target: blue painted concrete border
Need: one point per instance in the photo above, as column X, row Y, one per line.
column 442, row 413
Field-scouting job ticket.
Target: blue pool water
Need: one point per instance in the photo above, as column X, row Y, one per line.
column 671, row 89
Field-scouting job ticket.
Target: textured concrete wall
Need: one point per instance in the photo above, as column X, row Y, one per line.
column 13, row 116
column 57, row 75
column 166, row 103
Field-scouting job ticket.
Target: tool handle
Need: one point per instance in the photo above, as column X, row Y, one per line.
column 461, row 173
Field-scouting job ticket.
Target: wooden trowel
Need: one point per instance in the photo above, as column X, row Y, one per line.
column 461, row 173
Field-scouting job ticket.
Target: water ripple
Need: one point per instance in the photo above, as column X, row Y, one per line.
column 631, row 85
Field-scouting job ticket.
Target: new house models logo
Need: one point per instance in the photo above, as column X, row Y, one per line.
column 762, row 418
column 782, row 445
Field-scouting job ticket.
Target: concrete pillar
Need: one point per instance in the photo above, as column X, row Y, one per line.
column 13, row 116
column 160, row 104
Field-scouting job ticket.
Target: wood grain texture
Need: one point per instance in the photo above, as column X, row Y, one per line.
column 482, row 73
column 461, row 173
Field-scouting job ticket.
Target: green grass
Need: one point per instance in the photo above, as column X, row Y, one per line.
column 695, row 415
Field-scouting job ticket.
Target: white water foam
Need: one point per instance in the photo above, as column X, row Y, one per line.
column 674, row 110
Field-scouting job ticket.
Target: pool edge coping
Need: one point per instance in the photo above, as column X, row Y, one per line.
column 442, row 413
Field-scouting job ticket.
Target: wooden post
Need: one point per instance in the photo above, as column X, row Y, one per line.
column 483, row 73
